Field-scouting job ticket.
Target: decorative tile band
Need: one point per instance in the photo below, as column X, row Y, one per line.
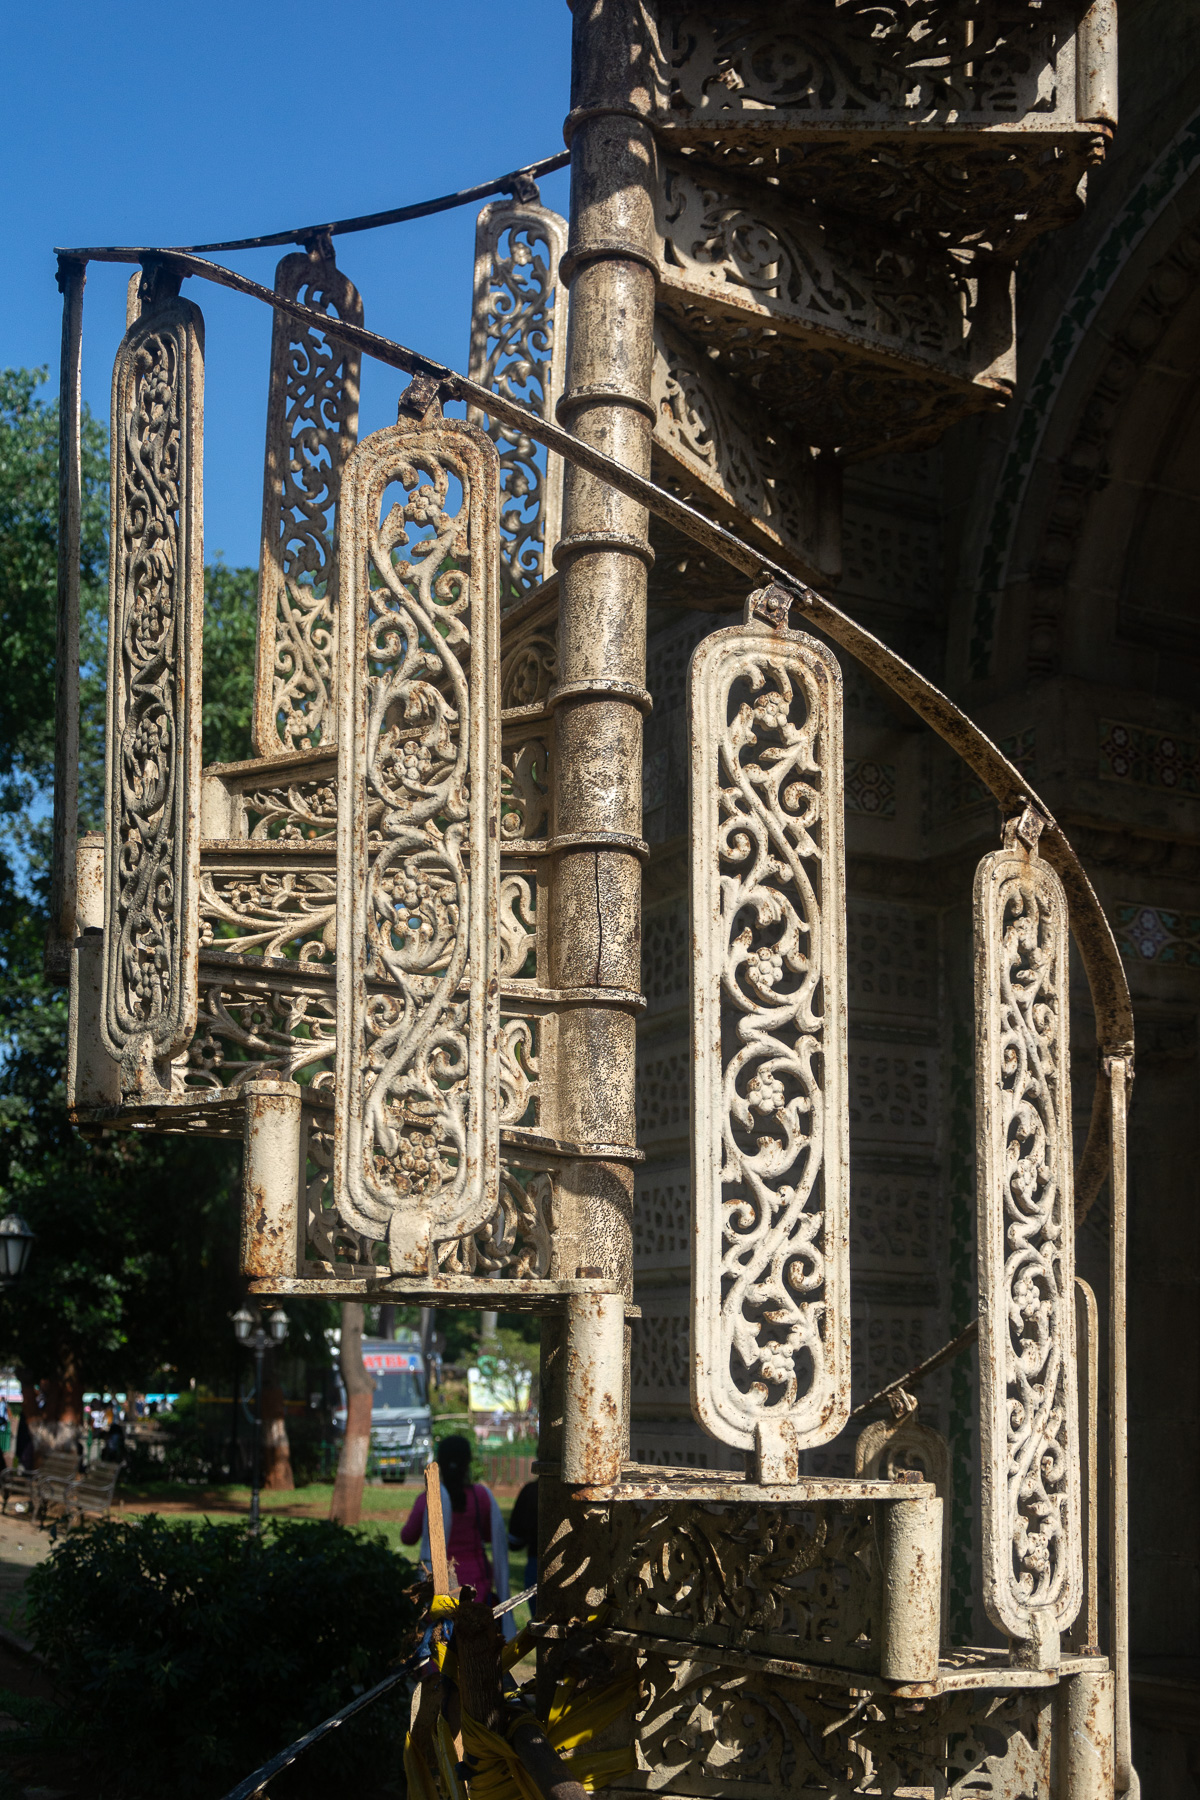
column 871, row 787
column 1148, row 758
column 1148, row 200
column 1158, row 934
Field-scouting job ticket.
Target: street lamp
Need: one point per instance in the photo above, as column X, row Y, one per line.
column 16, row 1241
column 248, row 1331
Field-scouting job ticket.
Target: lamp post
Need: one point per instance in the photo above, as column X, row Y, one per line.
column 248, row 1331
column 16, row 1241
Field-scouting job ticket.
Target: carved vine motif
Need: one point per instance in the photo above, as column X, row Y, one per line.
column 529, row 667
column 842, row 399
column 518, row 1071
column 269, row 913
column 327, row 1237
column 250, row 1026
column 728, row 1730
column 771, row 1343
column 154, row 648
column 518, row 349
column 296, row 811
column 418, row 861
column 845, row 282
column 1029, row 1415
column 312, row 425
column 699, row 420
column 515, row 1242
column 518, row 926
column 524, row 790
column 988, row 192
column 910, row 63
column 801, row 1582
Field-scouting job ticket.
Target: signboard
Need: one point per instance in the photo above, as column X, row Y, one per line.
column 492, row 1392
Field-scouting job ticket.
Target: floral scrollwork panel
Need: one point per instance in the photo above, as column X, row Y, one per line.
column 418, row 852
column 285, row 912
column 791, row 66
column 831, row 279
column 759, row 478
column 708, row 1729
column 1033, row 1570
column 312, row 425
column 776, row 1580
column 518, row 350
column 153, row 753
column 514, row 1244
column 254, row 1023
column 770, row 1319
column 529, row 666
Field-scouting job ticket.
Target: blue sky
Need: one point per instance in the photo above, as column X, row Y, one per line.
column 138, row 124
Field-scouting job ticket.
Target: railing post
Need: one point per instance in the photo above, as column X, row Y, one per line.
column 1118, row 1071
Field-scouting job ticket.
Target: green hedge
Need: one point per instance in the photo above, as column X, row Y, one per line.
column 192, row 1653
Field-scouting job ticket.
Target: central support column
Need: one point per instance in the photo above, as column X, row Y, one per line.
column 603, row 560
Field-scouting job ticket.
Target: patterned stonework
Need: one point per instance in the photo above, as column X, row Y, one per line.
column 870, row 788
column 1158, row 934
column 1145, row 758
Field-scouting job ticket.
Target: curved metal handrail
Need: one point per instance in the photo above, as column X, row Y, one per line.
column 1102, row 963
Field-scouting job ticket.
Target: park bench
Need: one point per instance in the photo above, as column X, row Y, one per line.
column 16, row 1484
column 53, row 1480
column 91, row 1494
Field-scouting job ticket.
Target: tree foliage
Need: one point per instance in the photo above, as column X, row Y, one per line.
column 194, row 1652
column 134, row 1268
column 28, row 572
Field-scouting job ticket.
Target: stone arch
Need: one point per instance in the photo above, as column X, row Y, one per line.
column 1104, row 568
column 1052, row 462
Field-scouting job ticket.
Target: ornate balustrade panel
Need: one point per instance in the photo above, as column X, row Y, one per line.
column 1029, row 1424
column 803, row 1582
column 854, row 336
column 258, row 1018
column 276, row 905
column 518, row 349
column 740, row 466
column 417, row 1091
column 812, row 273
column 770, row 1319
column 954, row 125
column 152, row 772
column 312, row 426
column 740, row 1730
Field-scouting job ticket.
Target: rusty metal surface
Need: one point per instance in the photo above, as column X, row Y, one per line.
column 152, row 737
column 1011, row 789
column 593, row 1443
column 416, row 1086
column 911, row 1626
column 271, row 1179
column 770, row 1321
column 1028, row 1416
column 312, row 426
column 1083, row 1729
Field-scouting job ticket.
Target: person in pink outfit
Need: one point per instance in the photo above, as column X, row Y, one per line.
column 473, row 1523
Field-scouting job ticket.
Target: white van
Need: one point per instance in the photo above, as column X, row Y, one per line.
column 401, row 1422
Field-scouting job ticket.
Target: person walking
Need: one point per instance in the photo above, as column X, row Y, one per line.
column 473, row 1525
